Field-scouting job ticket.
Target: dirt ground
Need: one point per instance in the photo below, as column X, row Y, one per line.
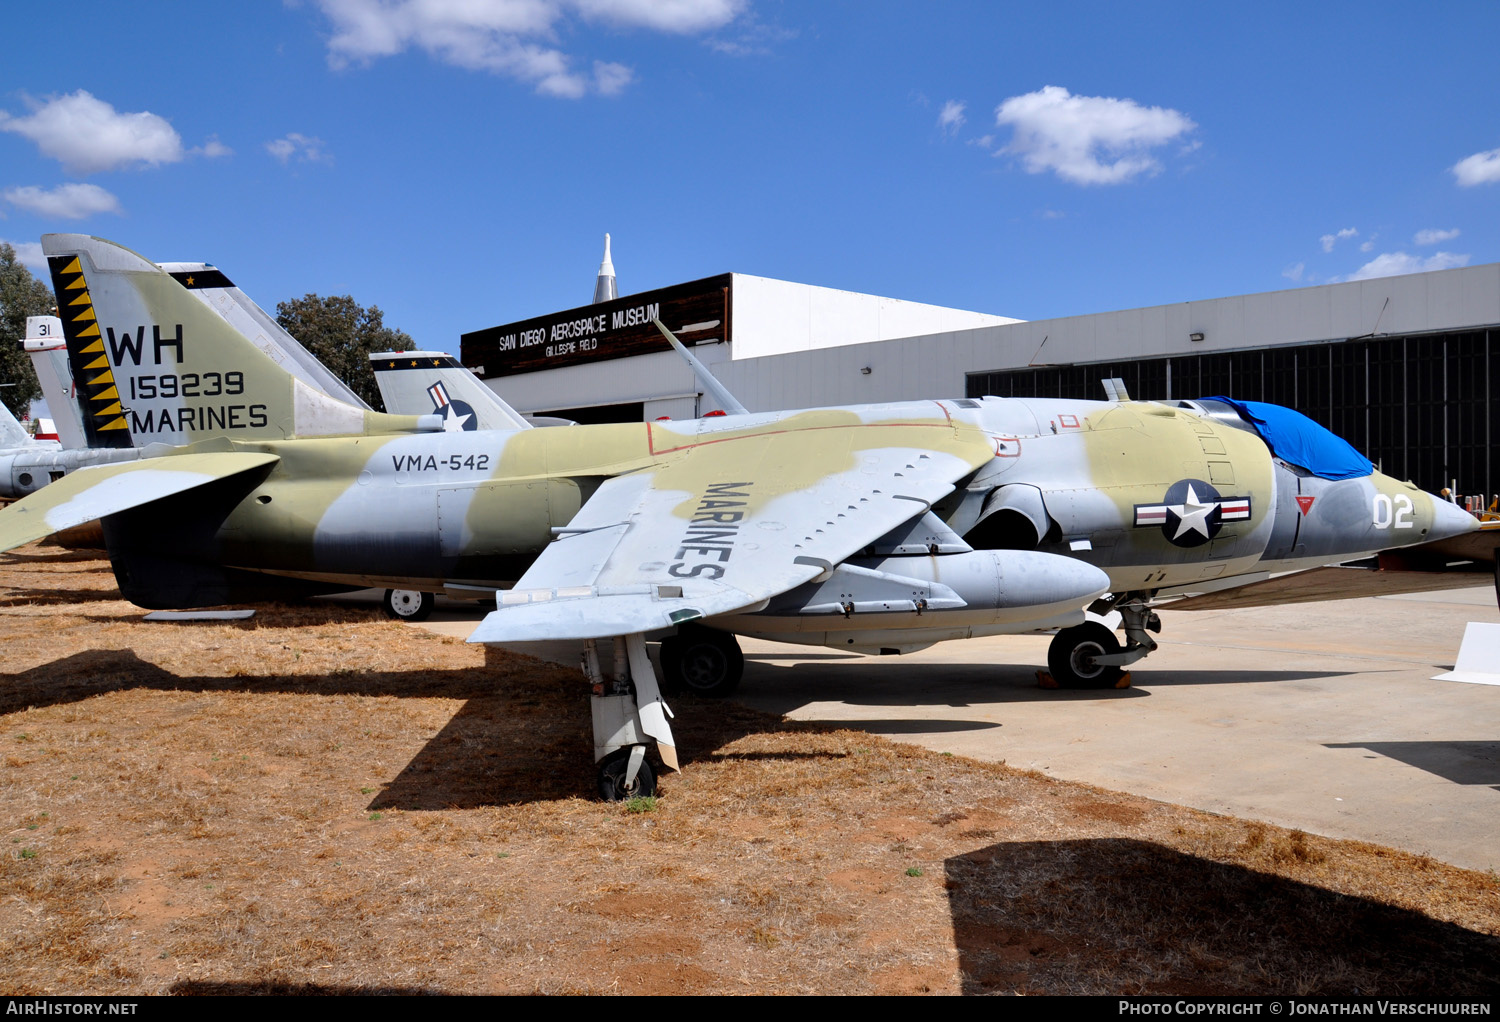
column 319, row 800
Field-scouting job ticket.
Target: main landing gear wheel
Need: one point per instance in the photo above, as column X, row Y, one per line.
column 612, row 771
column 408, row 604
column 702, row 662
column 1071, row 657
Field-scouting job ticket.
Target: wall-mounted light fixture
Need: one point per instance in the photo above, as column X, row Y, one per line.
column 866, row 370
column 1195, row 337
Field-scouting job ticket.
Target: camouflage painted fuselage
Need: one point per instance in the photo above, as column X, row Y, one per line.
column 1092, row 480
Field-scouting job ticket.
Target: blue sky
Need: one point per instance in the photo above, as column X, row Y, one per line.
column 457, row 162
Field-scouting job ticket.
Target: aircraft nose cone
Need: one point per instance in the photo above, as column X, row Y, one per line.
column 1448, row 519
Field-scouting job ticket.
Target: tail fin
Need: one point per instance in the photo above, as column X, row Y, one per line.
column 49, row 357
column 12, row 433
column 211, row 287
column 423, row 382
column 154, row 365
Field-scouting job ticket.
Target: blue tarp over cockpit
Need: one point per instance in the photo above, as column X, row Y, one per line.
column 1295, row 438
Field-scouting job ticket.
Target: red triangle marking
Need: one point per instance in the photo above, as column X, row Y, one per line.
column 1305, row 503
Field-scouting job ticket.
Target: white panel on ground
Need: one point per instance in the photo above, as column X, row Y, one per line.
column 1478, row 656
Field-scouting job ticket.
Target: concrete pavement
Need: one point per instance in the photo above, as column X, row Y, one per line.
column 1316, row 716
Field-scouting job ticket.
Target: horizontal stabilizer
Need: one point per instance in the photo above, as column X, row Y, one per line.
column 92, row 493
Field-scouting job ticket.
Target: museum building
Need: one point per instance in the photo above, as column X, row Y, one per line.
column 1402, row 366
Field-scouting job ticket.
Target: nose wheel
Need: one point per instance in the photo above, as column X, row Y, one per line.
column 1073, row 657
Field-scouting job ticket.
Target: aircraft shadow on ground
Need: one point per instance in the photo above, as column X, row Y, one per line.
column 29, row 597
column 1126, row 916
column 54, row 555
column 1459, row 762
column 498, row 750
column 522, row 735
column 884, row 682
column 95, row 672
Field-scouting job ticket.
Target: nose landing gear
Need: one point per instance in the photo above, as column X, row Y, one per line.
column 1091, row 656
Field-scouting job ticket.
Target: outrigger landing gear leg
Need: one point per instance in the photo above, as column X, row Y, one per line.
column 628, row 713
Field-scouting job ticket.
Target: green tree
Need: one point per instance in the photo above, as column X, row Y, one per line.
column 341, row 334
column 21, row 295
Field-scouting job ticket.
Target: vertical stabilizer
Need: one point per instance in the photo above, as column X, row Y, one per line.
column 153, row 364
column 211, row 287
column 436, row 383
column 604, row 287
column 49, row 357
column 12, row 433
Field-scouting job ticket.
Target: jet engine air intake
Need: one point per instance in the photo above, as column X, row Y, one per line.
column 1013, row 518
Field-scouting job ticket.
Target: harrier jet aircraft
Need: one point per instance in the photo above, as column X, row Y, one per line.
column 877, row 528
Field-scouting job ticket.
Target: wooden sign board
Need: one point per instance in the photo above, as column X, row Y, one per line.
column 697, row 312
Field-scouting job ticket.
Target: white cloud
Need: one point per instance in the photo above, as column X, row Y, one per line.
column 1367, row 245
column 1088, row 140
column 28, row 253
column 754, row 38
column 88, row 135
column 1391, row 264
column 951, row 118
column 610, row 78
column 1479, row 169
column 1294, row 271
column 1329, row 240
column 212, row 149
column 70, row 202
column 306, row 148
column 983, row 141
column 1432, row 236
column 508, row 37
column 683, row 17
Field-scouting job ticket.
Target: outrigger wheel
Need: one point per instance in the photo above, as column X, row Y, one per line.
column 1071, row 657
column 612, row 771
column 701, row 661
column 409, row 604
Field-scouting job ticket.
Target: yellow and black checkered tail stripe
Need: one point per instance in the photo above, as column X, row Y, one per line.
column 104, row 419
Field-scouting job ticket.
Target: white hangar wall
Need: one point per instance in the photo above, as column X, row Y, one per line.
column 935, row 364
column 776, row 317
column 798, row 346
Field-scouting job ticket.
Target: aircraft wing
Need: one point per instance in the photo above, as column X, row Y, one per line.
column 725, row 525
column 91, row 493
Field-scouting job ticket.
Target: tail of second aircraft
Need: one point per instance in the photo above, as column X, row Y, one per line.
column 12, row 433
column 49, row 358
column 421, row 382
column 152, row 364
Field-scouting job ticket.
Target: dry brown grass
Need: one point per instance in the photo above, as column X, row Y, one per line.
column 320, row 800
